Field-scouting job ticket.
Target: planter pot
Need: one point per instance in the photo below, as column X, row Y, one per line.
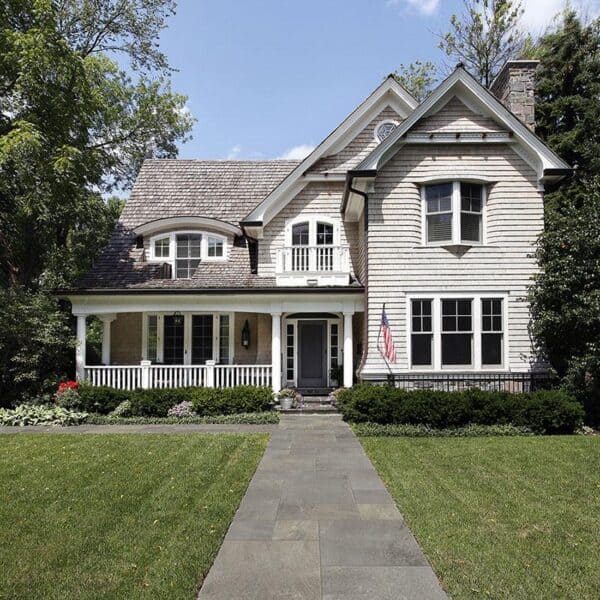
column 286, row 403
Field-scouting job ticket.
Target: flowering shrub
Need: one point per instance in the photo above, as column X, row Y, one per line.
column 67, row 385
column 68, row 397
column 183, row 409
column 28, row 414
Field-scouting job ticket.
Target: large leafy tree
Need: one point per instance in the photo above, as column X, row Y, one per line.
column 84, row 98
column 418, row 78
column 566, row 294
column 484, row 37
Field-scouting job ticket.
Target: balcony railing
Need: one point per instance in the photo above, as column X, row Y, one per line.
column 326, row 262
column 147, row 376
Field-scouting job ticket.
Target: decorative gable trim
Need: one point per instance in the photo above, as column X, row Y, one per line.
column 475, row 96
column 390, row 92
column 186, row 222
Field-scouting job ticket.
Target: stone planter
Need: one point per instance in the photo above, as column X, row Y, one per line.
column 286, row 402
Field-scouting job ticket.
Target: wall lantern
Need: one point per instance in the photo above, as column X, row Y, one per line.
column 246, row 335
column 177, row 318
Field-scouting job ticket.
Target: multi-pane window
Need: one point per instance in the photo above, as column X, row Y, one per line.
column 454, row 213
column 422, row 333
column 289, row 341
column 215, row 247
column 224, row 355
column 324, row 234
column 457, row 332
column 189, row 249
column 173, row 340
column 202, row 338
column 153, row 338
column 491, row 331
column 300, row 234
column 438, row 199
column 334, row 345
column 470, row 212
column 162, row 247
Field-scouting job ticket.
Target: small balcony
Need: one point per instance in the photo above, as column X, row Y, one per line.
column 321, row 265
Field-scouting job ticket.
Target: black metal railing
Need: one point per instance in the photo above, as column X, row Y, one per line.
column 456, row 382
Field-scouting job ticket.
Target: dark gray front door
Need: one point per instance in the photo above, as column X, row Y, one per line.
column 312, row 354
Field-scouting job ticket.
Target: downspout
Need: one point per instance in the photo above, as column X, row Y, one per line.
column 365, row 348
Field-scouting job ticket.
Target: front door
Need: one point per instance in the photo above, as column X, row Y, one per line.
column 312, row 354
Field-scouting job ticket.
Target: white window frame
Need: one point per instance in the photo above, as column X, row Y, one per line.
column 456, row 212
column 172, row 236
column 312, row 221
column 380, row 124
column 187, row 335
column 436, row 311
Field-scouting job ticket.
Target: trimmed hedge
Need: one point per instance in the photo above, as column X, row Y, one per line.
column 260, row 418
column 157, row 402
column 548, row 411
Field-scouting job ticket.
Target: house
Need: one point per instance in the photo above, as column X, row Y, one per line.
column 277, row 272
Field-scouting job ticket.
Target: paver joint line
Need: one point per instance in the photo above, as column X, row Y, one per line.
column 317, row 523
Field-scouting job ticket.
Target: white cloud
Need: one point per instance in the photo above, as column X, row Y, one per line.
column 423, row 7
column 539, row 13
column 298, row 152
column 234, row 152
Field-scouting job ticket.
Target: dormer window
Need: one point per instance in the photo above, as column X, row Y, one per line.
column 186, row 250
column 453, row 214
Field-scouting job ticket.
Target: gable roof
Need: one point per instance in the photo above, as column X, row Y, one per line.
column 460, row 82
column 389, row 92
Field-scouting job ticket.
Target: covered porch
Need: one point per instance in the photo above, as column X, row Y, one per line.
column 302, row 340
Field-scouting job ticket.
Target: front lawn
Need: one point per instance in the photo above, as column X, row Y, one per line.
column 117, row 516
column 500, row 517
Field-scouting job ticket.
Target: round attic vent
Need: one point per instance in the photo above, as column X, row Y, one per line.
column 384, row 129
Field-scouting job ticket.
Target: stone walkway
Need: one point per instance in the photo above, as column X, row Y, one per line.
column 318, row 523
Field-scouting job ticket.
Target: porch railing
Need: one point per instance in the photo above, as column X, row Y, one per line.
column 147, row 376
column 314, row 259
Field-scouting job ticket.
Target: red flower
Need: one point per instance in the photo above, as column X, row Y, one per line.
column 67, row 385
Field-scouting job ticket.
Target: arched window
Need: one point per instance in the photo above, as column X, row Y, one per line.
column 300, row 234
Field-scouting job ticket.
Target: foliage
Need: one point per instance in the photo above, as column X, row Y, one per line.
column 156, row 402
column 29, row 414
column 549, row 412
column 472, row 430
column 565, row 297
column 68, row 398
column 36, row 342
column 123, row 410
column 118, row 516
column 183, row 409
column 417, row 78
column 287, row 393
column 507, row 517
column 254, row 418
column 243, row 398
column 485, row 36
column 100, row 399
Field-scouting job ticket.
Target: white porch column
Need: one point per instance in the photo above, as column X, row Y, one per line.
column 80, row 348
column 348, row 350
column 106, row 321
column 276, row 349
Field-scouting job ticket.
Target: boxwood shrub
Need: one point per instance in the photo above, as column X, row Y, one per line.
column 229, row 401
column 101, row 399
column 549, row 411
column 157, row 402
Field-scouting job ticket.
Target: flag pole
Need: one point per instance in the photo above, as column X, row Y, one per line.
column 391, row 377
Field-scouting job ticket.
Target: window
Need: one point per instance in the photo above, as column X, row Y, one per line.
column 162, row 247
column 384, row 129
column 289, row 342
column 215, row 247
column 188, row 254
column 422, row 333
column 300, row 234
column 334, row 345
column 152, row 338
column 450, row 332
column 324, row 234
column 453, row 213
column 491, row 331
column 438, row 200
column 173, row 340
column 224, row 354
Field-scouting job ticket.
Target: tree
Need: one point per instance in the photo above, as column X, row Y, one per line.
column 417, row 78
column 565, row 298
column 84, row 98
column 484, row 37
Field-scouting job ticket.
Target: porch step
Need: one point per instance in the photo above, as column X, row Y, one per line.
column 312, row 405
column 311, row 392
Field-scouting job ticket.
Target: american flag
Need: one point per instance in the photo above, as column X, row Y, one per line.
column 385, row 341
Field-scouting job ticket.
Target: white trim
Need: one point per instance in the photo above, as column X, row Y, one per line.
column 312, row 221
column 389, row 92
column 158, row 225
column 463, row 85
column 476, row 298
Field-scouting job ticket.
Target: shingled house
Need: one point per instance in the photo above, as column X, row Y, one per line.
column 276, row 272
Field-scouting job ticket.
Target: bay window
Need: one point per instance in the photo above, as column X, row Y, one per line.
column 453, row 213
column 457, row 332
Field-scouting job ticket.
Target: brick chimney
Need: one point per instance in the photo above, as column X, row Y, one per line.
column 515, row 88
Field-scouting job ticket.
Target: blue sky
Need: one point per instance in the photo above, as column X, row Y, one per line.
column 271, row 78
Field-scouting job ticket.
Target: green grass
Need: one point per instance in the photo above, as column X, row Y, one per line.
column 117, row 516
column 501, row 517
